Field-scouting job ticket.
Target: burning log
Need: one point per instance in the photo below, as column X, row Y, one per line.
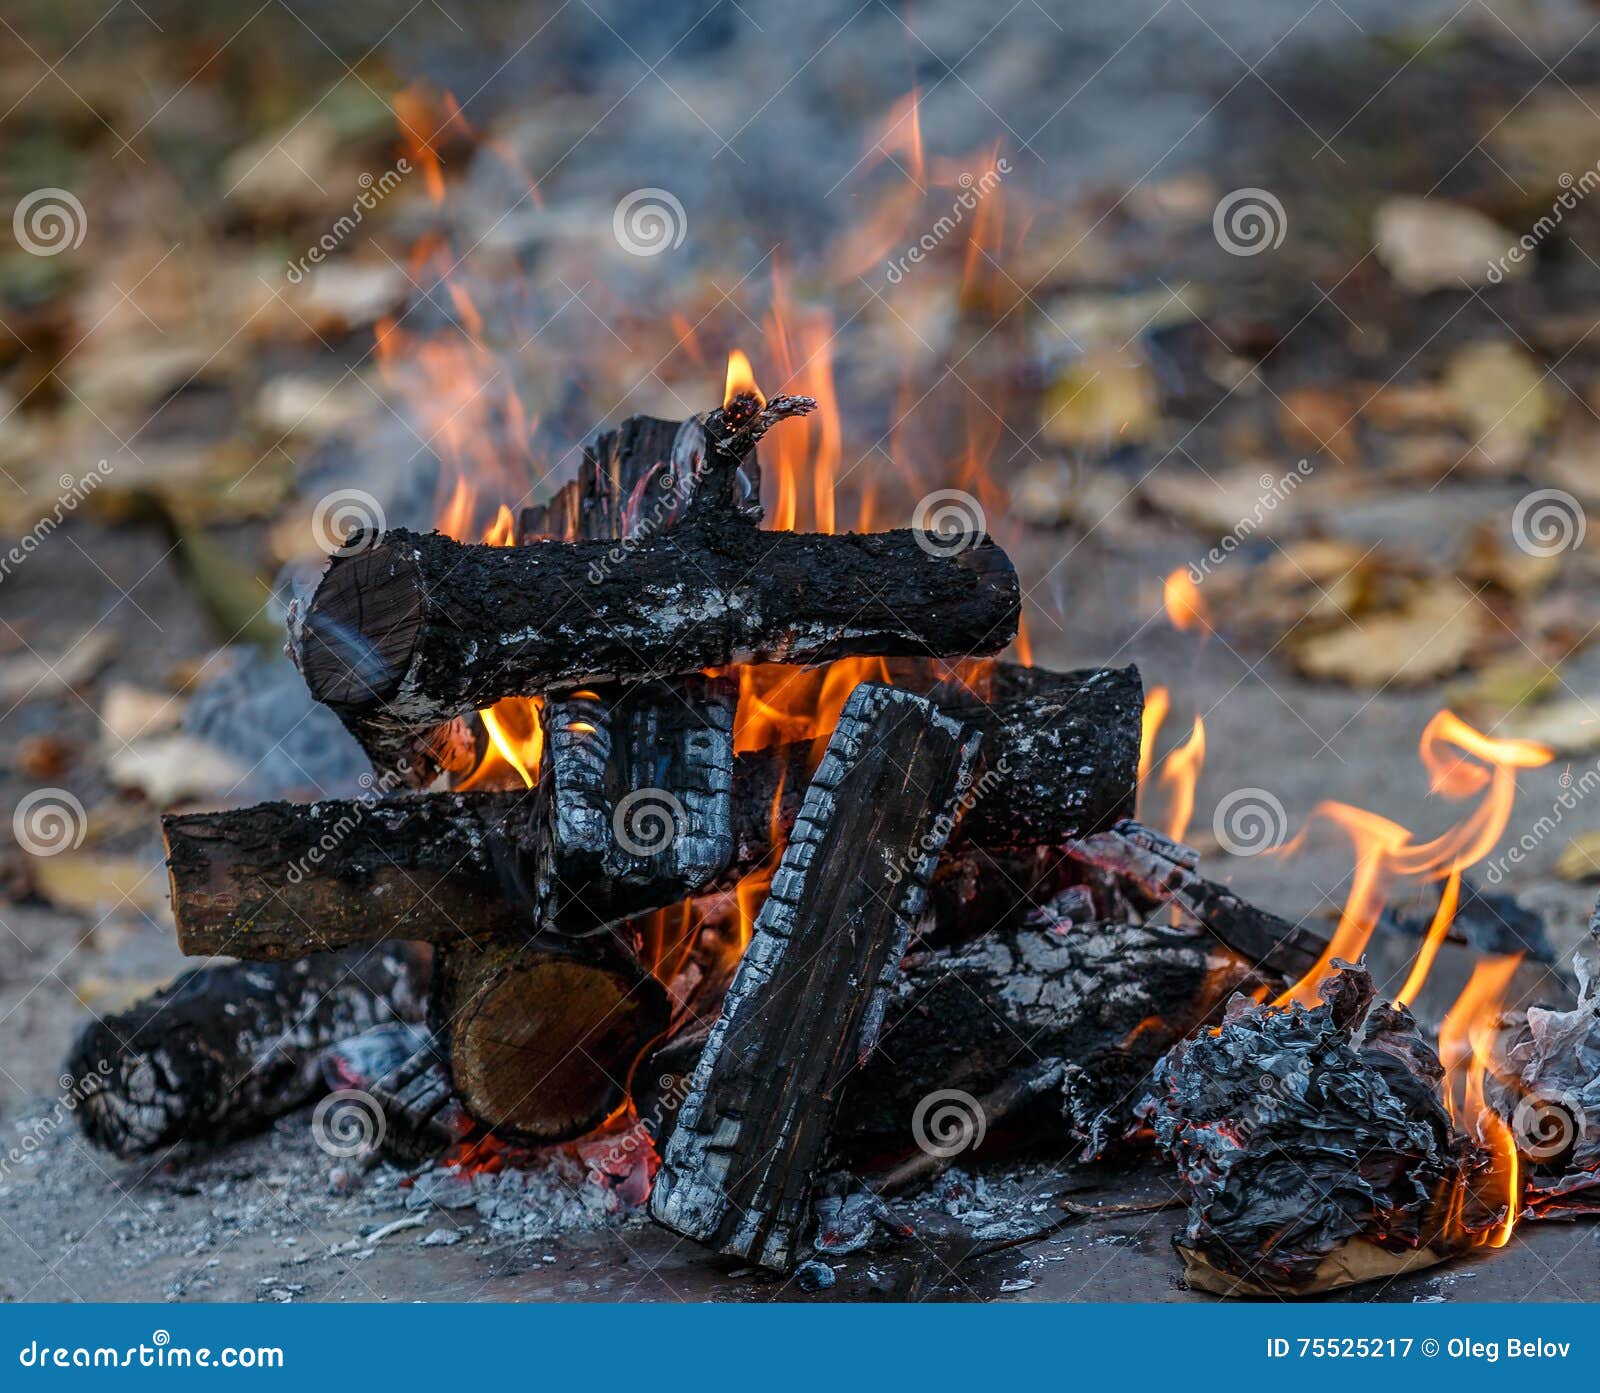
column 541, row 1036
column 807, row 1003
column 408, row 631
column 1158, row 870
column 1316, row 1159
column 227, row 1048
column 636, row 800
column 435, row 866
column 1099, row 1001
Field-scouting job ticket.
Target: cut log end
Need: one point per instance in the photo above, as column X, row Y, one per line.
column 542, row 1042
column 356, row 641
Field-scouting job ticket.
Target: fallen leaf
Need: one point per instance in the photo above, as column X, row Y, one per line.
column 1430, row 637
column 1418, row 406
column 1432, row 244
column 94, row 884
column 1225, row 500
column 129, row 713
column 1549, row 135
column 1580, row 858
column 1570, row 726
column 31, row 676
column 1500, row 399
column 1107, row 398
column 169, row 769
column 1053, row 493
column 1507, row 684
column 1491, row 560
column 1319, row 418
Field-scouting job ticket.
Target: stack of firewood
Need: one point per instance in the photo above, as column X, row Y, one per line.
column 955, row 900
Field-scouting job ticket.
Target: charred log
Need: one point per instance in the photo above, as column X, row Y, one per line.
column 278, row 879
column 227, row 1048
column 807, row 1003
column 418, row 629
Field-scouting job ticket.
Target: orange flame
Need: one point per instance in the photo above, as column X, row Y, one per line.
column 1181, row 597
column 741, row 380
column 1181, row 774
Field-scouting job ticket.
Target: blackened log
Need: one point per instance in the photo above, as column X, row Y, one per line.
column 226, row 1048
column 542, row 1035
column 433, row 866
column 1104, row 1001
column 421, row 628
column 807, row 1002
column 422, row 1116
column 279, row 880
column 1162, row 871
column 636, row 806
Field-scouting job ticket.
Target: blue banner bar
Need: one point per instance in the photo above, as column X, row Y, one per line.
column 815, row 1346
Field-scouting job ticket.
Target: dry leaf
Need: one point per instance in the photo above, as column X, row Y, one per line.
column 1519, row 573
column 1549, row 135
column 1431, row 244
column 1422, row 406
column 1429, row 638
column 1319, row 418
column 168, row 769
column 1570, row 726
column 95, row 884
column 1053, row 493
column 1105, row 399
column 129, row 713
column 1580, row 858
column 1218, row 504
column 1505, row 685
column 31, row 676
column 1500, row 399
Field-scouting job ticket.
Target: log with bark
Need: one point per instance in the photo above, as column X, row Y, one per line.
column 433, row 866
column 226, row 1048
column 410, row 630
column 807, row 1002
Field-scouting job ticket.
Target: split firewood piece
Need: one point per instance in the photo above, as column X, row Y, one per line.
column 1104, row 1001
column 1162, row 871
column 542, row 1034
column 243, row 884
column 637, row 805
column 280, row 880
column 807, row 1003
column 228, row 1047
column 418, row 629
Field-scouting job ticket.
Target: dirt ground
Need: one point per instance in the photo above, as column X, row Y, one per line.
column 229, row 400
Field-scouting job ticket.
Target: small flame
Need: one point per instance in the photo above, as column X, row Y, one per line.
column 1156, row 705
column 1181, row 774
column 741, row 380
column 1467, row 1050
column 1185, row 608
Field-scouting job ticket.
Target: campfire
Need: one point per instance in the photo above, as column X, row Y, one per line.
column 745, row 866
